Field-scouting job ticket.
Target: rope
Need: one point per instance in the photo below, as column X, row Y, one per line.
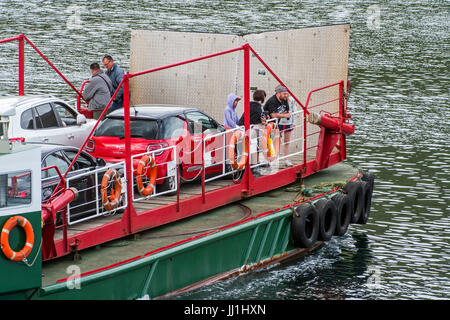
column 25, row 260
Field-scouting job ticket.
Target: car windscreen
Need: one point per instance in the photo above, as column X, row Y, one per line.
column 113, row 127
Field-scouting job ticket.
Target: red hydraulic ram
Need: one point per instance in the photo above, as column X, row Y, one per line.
column 332, row 124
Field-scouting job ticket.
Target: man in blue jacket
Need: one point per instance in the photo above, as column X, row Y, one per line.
column 114, row 73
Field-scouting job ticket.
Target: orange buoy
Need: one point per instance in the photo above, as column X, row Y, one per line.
column 111, row 202
column 271, row 147
column 141, row 169
column 4, row 240
column 237, row 165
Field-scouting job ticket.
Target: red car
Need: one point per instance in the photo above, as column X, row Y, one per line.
column 158, row 127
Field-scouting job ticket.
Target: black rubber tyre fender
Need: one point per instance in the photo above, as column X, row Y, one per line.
column 343, row 213
column 305, row 225
column 354, row 191
column 369, row 180
column 327, row 218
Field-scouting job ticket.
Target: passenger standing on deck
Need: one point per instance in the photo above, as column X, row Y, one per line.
column 277, row 107
column 231, row 118
column 115, row 74
column 256, row 115
column 286, row 126
column 98, row 91
column 258, row 120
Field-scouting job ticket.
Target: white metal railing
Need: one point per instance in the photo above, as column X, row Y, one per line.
column 89, row 204
column 171, row 174
column 295, row 142
column 227, row 169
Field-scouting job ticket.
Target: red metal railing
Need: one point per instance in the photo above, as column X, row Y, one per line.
column 307, row 108
column 21, row 38
column 80, row 109
column 132, row 222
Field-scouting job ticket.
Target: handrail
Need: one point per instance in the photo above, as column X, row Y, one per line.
column 131, row 75
column 79, row 98
column 21, row 37
column 53, row 67
column 92, row 131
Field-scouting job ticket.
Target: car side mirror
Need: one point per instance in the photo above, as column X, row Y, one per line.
column 81, row 119
column 100, row 162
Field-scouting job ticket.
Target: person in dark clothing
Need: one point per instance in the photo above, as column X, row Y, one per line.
column 278, row 106
column 258, row 122
column 114, row 73
column 256, row 114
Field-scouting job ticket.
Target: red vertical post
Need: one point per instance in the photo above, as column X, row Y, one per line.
column 203, row 169
column 128, row 164
column 342, row 143
column 247, row 109
column 304, row 138
column 21, row 65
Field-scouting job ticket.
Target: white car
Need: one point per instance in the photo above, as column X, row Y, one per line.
column 44, row 119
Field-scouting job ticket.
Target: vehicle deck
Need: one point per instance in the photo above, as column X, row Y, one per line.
column 132, row 246
column 187, row 190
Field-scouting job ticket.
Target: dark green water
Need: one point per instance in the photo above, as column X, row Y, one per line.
column 399, row 65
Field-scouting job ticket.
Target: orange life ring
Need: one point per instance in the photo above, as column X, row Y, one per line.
column 111, row 202
column 231, row 154
column 271, row 147
column 6, row 248
column 141, row 169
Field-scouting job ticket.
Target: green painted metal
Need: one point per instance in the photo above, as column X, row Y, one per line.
column 223, row 252
column 186, row 264
column 16, row 275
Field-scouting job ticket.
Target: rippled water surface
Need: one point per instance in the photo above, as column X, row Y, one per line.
column 399, row 65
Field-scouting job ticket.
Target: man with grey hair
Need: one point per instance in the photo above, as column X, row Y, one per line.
column 115, row 74
column 98, row 91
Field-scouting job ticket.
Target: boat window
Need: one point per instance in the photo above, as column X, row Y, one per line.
column 55, row 159
column 172, row 127
column 112, row 127
column 26, row 120
column 66, row 114
column 45, row 117
column 15, row 189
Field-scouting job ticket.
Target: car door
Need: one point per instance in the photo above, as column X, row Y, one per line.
column 47, row 125
column 202, row 126
column 74, row 134
column 85, row 204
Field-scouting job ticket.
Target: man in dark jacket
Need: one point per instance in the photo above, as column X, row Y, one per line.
column 114, row 73
column 256, row 115
column 98, row 91
column 258, row 121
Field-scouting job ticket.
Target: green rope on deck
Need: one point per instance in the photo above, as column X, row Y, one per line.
column 323, row 187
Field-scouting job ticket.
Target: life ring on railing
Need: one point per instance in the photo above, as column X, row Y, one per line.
column 305, row 226
column 141, row 170
column 6, row 248
column 111, row 202
column 327, row 219
column 354, row 190
column 343, row 213
column 271, row 147
column 237, row 165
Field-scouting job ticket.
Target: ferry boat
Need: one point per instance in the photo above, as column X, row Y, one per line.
column 156, row 244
